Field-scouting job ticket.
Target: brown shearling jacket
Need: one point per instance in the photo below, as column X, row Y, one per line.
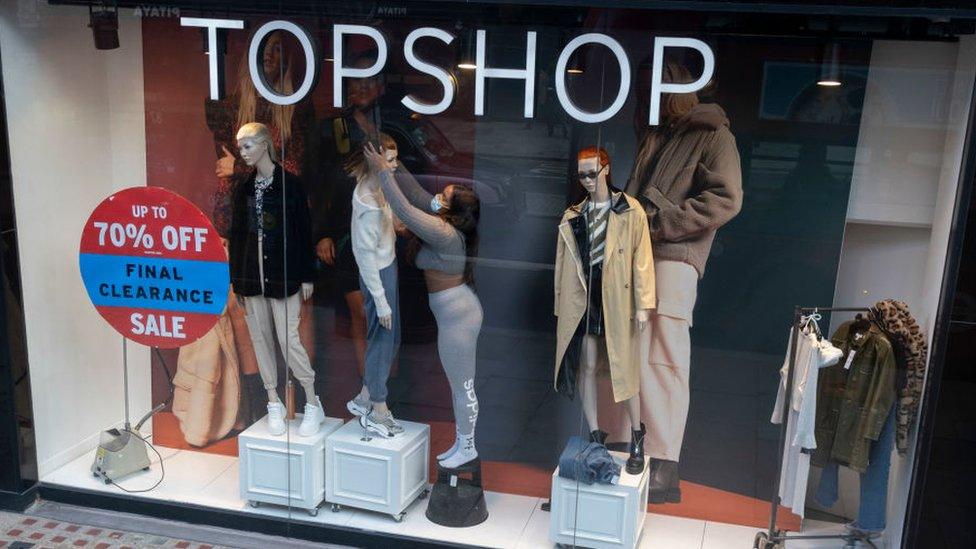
column 689, row 180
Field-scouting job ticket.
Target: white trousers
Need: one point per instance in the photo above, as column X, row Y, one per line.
column 269, row 318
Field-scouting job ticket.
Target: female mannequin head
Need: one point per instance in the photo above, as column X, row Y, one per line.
column 256, row 144
column 594, row 170
column 356, row 166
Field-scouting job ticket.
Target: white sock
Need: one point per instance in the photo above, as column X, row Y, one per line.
column 465, row 452
column 450, row 451
column 364, row 393
column 273, row 396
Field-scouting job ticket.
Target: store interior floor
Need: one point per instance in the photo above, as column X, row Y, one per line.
column 514, row 521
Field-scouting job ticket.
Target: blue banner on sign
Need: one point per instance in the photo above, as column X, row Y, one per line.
column 161, row 284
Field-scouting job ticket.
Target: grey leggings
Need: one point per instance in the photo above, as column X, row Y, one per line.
column 458, row 314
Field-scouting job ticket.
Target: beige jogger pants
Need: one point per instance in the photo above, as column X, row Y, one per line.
column 664, row 379
column 268, row 317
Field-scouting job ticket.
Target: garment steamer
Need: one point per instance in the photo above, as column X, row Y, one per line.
column 122, row 452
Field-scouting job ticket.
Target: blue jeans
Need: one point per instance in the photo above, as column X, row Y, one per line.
column 587, row 462
column 381, row 344
column 874, row 481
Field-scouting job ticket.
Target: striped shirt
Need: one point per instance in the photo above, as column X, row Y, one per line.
column 597, row 214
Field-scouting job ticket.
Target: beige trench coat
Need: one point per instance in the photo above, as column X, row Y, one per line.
column 628, row 286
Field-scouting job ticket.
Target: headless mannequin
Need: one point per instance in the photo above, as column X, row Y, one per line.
column 256, row 155
column 599, row 193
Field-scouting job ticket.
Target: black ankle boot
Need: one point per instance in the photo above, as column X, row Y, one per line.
column 664, row 484
column 598, row 436
column 635, row 463
column 256, row 396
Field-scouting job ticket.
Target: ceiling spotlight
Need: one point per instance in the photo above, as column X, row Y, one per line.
column 467, row 61
column 830, row 66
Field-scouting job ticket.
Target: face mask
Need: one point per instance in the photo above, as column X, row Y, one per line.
column 435, row 205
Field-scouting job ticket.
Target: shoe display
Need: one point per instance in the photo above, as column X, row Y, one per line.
column 635, row 463
column 314, row 416
column 383, row 425
column 664, row 484
column 276, row 418
column 359, row 406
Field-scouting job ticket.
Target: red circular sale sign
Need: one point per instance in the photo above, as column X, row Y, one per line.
column 154, row 267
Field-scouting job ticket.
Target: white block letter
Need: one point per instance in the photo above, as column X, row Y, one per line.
column 257, row 72
column 440, row 74
column 216, row 59
column 658, row 87
column 339, row 71
column 482, row 72
column 560, row 76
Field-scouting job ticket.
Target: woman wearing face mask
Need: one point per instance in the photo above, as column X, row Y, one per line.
column 447, row 228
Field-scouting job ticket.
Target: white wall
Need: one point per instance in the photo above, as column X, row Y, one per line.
column 910, row 148
column 77, row 125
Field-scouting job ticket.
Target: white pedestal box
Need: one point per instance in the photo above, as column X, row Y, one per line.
column 599, row 515
column 287, row 469
column 376, row 473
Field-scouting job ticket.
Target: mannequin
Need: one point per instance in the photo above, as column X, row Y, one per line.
column 689, row 180
column 604, row 294
column 271, row 269
column 374, row 246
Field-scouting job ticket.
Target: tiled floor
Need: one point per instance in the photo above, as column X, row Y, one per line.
column 514, row 521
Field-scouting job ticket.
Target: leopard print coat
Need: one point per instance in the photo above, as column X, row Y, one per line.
column 908, row 339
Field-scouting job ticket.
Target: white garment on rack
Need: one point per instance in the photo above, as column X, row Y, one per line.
column 811, row 355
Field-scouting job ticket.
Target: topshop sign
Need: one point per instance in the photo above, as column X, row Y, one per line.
column 483, row 72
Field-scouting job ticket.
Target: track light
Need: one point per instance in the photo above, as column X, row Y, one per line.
column 830, row 66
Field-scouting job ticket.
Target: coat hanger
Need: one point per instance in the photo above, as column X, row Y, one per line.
column 812, row 321
column 861, row 325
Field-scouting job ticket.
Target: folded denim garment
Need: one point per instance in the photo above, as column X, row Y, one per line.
column 588, row 462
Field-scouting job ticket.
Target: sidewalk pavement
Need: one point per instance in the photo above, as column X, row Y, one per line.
column 53, row 525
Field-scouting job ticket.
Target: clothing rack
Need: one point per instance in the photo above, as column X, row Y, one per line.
column 773, row 538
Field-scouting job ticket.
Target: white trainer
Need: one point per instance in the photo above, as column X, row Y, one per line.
column 359, row 406
column 314, row 416
column 276, row 418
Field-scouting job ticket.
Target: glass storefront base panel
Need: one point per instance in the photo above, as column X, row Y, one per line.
column 210, row 483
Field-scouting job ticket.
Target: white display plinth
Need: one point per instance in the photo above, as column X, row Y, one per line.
column 287, row 469
column 378, row 474
column 599, row 515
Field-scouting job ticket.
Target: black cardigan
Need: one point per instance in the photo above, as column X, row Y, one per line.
column 287, row 237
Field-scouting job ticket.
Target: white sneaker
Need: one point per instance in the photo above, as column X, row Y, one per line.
column 276, row 418
column 314, row 416
column 359, row 406
column 465, row 453
column 385, row 426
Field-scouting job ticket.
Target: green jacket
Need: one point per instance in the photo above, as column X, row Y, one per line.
column 853, row 404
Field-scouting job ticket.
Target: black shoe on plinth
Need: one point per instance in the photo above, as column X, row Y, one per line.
column 663, row 486
column 598, row 436
column 635, row 463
